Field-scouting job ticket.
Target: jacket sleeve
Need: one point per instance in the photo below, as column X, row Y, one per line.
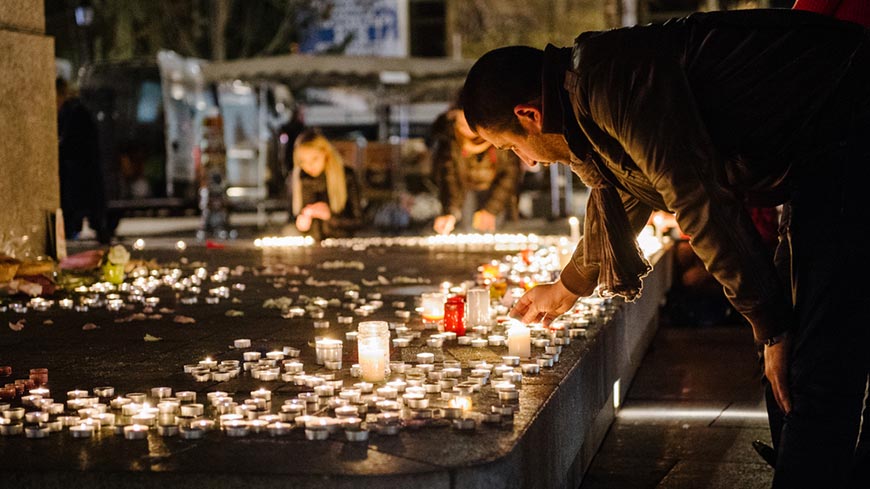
column 580, row 278
column 449, row 182
column 641, row 99
column 504, row 187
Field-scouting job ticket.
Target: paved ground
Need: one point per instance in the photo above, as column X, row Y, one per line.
column 690, row 416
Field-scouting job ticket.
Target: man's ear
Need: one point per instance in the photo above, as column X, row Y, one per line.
column 529, row 116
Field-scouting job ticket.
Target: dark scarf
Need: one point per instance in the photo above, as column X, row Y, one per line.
column 608, row 240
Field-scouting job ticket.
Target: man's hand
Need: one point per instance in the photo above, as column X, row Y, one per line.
column 444, row 224
column 776, row 371
column 543, row 303
column 483, row 221
column 318, row 210
column 303, row 222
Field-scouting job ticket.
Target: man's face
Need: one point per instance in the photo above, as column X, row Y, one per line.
column 533, row 147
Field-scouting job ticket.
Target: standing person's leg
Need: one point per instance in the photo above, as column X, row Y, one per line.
column 829, row 342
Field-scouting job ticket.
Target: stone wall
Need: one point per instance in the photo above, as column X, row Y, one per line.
column 29, row 185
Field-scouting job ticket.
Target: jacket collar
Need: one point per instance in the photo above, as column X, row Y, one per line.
column 556, row 61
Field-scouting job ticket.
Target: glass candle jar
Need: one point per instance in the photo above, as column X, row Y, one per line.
column 478, row 300
column 373, row 344
column 433, row 307
column 454, row 315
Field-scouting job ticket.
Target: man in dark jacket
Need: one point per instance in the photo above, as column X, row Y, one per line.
column 701, row 117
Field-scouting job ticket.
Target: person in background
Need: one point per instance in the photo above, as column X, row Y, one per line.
column 81, row 178
column 324, row 193
column 477, row 184
column 764, row 107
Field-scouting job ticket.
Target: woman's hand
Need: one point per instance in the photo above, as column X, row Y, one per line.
column 543, row 303
column 318, row 210
column 303, row 222
column 444, row 224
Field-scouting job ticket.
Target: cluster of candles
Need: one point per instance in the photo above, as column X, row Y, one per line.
column 140, row 290
column 498, row 241
column 379, row 395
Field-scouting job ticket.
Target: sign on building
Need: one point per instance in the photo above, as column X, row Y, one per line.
column 369, row 27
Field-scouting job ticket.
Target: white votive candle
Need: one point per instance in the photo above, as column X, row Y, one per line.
column 519, row 341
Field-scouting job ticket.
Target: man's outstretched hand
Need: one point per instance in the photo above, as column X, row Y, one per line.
column 543, row 303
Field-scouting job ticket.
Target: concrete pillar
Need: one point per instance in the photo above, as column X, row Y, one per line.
column 29, row 186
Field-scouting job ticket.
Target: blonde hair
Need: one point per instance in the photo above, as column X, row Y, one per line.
column 336, row 186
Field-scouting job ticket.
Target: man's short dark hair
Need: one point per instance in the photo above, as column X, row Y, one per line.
column 498, row 81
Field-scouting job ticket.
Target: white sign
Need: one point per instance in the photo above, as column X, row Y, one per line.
column 371, row 28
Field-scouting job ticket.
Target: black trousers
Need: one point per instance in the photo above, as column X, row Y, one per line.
column 830, row 344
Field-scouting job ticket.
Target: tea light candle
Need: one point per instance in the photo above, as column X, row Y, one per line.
column 346, row 411
column 345, row 319
column 425, row 357
column 350, row 395
column 415, row 400
column 479, row 342
column 144, row 418
column 327, row 349
column 279, row 428
column 208, row 363
column 167, row 430
column 496, row 340
column 76, row 394
column 161, row 392
column 401, row 342
column 511, row 360
column 136, row 432
column 104, row 392
column 387, row 392
column 236, row 428
column 262, row 393
column 465, row 424
column 35, row 432
column 66, row 304
column 35, row 417
column 82, row 430
column 531, row 368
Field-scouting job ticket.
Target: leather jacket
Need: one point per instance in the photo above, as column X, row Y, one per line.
column 703, row 115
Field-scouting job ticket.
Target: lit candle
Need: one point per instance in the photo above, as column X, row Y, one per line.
column 519, row 341
column 433, row 307
column 574, row 223
column 135, row 432
column 83, row 430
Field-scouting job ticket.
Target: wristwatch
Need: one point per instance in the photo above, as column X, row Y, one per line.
column 774, row 339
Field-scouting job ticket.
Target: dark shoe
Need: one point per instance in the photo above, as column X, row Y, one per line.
column 766, row 451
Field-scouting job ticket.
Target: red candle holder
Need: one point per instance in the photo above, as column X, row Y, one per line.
column 454, row 315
